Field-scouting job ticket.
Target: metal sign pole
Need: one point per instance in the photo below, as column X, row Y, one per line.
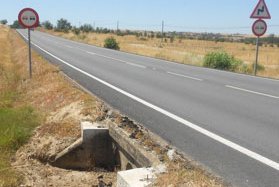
column 30, row 57
column 257, row 56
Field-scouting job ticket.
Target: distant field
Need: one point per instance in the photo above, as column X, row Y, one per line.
column 186, row 51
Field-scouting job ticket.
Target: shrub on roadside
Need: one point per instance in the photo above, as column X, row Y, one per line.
column 260, row 67
column 222, row 61
column 111, row 43
column 76, row 30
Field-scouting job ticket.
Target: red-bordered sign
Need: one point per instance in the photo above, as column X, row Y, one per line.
column 28, row 18
column 259, row 27
column 261, row 11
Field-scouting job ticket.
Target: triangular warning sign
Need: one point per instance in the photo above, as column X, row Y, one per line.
column 261, row 11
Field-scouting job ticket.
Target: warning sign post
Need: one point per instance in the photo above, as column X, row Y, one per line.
column 259, row 27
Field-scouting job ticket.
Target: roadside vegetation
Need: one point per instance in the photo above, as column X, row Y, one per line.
column 39, row 117
column 16, row 122
column 223, row 61
column 111, row 43
column 186, row 48
column 58, row 106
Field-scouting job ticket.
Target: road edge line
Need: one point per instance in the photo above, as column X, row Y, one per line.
column 197, row 128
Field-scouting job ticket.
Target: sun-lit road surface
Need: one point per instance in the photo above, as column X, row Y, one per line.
column 226, row 121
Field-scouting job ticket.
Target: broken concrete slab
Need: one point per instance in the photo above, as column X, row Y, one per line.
column 139, row 177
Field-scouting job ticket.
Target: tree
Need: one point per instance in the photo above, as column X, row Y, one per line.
column 86, row 28
column 63, row 25
column 15, row 25
column 47, row 25
column 4, row 21
column 76, row 30
column 111, row 43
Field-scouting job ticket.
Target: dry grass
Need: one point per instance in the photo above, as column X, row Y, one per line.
column 8, row 82
column 54, row 96
column 186, row 51
column 48, row 93
column 181, row 175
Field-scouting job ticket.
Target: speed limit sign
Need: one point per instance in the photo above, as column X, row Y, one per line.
column 28, row 18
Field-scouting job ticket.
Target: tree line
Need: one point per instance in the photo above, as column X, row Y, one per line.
column 63, row 25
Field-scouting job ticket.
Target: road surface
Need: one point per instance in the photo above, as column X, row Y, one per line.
column 227, row 122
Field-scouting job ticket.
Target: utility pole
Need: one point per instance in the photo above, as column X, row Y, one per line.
column 257, row 56
column 30, row 55
column 162, row 32
column 117, row 28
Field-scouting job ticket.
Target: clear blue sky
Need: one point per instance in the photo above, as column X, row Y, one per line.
column 225, row 16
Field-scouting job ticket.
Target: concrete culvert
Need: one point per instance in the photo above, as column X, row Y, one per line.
column 93, row 150
column 106, row 148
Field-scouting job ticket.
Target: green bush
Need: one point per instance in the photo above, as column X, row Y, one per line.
column 111, row 43
column 76, row 30
column 222, row 60
column 260, row 67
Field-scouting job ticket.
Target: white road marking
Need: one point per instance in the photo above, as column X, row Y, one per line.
column 240, row 74
column 188, row 77
column 126, row 62
column 253, row 92
column 90, row 53
column 69, row 46
column 136, row 65
column 201, row 130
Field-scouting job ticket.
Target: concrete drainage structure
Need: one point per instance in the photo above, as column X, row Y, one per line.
column 111, row 149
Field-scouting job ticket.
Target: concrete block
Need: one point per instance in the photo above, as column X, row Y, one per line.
column 90, row 130
column 139, row 177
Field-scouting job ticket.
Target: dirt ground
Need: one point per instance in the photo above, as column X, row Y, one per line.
column 62, row 105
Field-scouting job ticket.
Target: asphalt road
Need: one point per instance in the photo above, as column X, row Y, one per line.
column 227, row 122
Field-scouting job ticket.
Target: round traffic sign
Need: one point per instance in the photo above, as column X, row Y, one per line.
column 28, row 18
column 259, row 27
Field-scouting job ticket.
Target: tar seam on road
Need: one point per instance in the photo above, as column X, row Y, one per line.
column 253, row 92
column 201, row 130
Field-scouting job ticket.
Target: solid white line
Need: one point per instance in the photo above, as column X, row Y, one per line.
column 250, row 91
column 188, row 77
column 203, row 131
